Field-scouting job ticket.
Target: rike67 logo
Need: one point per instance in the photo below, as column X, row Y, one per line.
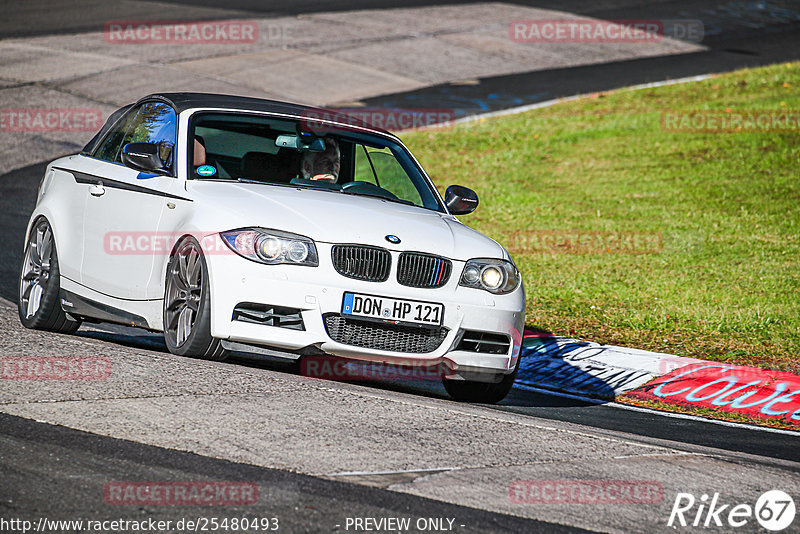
column 774, row 510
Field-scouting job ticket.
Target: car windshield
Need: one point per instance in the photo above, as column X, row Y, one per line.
column 261, row 149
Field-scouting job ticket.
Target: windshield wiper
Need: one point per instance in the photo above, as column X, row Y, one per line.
column 382, row 197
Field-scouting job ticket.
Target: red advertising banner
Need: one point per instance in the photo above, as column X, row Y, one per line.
column 731, row 388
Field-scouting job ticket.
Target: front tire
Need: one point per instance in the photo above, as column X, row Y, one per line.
column 187, row 305
column 39, row 303
column 481, row 392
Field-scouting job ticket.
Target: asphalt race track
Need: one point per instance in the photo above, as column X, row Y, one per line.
column 303, row 503
column 321, row 452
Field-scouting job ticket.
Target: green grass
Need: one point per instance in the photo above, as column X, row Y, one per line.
column 726, row 283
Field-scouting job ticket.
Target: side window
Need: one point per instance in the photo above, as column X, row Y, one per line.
column 152, row 122
column 363, row 169
column 110, row 146
column 380, row 167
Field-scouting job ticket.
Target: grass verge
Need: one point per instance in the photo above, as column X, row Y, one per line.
column 722, row 282
column 629, row 232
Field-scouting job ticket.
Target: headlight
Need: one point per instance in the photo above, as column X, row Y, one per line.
column 495, row 276
column 272, row 246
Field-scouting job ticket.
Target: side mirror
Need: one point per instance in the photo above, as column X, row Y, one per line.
column 145, row 157
column 460, row 200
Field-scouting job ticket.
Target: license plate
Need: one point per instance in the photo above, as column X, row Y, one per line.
column 389, row 309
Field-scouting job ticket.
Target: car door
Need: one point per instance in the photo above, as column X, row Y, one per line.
column 124, row 206
column 68, row 182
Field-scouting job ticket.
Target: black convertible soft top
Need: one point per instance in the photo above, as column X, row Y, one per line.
column 183, row 101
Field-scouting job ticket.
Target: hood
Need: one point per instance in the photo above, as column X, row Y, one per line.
column 334, row 217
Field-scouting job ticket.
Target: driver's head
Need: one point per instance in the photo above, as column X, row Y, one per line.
column 323, row 165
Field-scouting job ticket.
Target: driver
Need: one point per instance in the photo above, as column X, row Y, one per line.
column 323, row 165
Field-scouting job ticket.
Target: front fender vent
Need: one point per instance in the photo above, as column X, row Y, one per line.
column 484, row 342
column 282, row 317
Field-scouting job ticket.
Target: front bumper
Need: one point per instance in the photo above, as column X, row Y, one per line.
column 318, row 291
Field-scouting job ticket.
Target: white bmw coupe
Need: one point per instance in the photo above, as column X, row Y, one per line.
column 232, row 223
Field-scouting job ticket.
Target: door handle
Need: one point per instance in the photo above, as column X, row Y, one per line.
column 97, row 190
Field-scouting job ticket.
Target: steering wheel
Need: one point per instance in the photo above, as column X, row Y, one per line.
column 359, row 187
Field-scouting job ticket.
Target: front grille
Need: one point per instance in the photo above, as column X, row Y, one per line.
column 374, row 335
column 485, row 342
column 362, row 262
column 249, row 312
column 415, row 269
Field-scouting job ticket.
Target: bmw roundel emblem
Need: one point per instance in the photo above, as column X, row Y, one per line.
column 392, row 239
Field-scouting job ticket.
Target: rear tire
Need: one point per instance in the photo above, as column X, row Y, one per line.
column 39, row 301
column 187, row 305
column 481, row 392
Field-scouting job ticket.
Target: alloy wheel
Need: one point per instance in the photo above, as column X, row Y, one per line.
column 36, row 269
column 184, row 292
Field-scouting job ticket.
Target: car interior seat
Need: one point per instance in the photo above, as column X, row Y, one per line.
column 199, row 151
column 274, row 168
